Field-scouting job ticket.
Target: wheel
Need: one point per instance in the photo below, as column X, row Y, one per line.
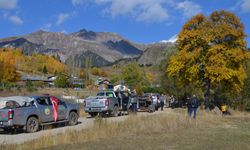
column 32, row 125
column 73, row 118
column 110, row 113
column 129, row 110
column 115, row 111
column 93, row 114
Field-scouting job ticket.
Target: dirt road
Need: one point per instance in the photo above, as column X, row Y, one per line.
column 83, row 124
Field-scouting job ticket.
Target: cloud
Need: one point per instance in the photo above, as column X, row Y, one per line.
column 189, row 8
column 141, row 10
column 47, row 27
column 245, row 6
column 16, row 20
column 149, row 11
column 152, row 12
column 8, row 4
column 77, row 2
column 62, row 18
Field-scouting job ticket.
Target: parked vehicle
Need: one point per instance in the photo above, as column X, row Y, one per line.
column 106, row 102
column 32, row 112
column 149, row 102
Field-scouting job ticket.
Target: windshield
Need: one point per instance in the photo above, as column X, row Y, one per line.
column 100, row 94
column 108, row 94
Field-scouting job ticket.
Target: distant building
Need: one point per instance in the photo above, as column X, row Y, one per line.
column 33, row 78
column 49, row 81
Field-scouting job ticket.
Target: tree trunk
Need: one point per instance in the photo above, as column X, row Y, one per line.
column 207, row 94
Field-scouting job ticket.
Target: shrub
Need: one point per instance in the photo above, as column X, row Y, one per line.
column 61, row 81
column 98, row 72
column 29, row 86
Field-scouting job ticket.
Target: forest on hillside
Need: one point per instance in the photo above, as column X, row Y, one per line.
column 13, row 60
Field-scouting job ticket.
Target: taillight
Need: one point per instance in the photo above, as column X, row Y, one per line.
column 10, row 114
column 106, row 102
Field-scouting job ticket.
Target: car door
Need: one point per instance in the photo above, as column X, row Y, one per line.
column 62, row 110
column 112, row 97
column 45, row 109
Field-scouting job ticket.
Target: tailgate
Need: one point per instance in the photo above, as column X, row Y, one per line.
column 4, row 115
column 95, row 102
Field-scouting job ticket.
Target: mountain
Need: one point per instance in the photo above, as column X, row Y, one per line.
column 154, row 54
column 102, row 47
column 173, row 39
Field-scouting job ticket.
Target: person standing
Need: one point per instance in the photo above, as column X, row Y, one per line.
column 133, row 102
column 162, row 101
column 172, row 101
column 193, row 104
column 155, row 101
column 224, row 109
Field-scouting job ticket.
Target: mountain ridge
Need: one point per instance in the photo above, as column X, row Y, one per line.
column 103, row 48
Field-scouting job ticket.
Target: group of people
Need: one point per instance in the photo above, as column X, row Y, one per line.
column 156, row 100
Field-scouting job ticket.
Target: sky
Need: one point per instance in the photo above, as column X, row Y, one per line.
column 143, row 21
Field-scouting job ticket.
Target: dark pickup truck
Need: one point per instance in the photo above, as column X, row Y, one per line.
column 32, row 112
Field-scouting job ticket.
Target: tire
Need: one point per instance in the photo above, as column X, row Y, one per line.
column 115, row 111
column 32, row 125
column 93, row 114
column 151, row 108
column 129, row 110
column 73, row 118
column 156, row 108
column 110, row 113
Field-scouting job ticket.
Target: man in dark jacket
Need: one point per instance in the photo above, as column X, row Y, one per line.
column 193, row 104
column 162, row 101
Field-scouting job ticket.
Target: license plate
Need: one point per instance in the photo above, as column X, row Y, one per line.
column 95, row 109
column 95, row 104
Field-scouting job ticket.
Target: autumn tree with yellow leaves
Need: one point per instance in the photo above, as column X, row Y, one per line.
column 34, row 63
column 211, row 52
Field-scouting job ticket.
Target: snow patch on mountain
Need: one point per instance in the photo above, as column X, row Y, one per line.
column 173, row 39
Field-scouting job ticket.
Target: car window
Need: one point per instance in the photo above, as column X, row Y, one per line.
column 100, row 94
column 60, row 102
column 109, row 94
column 12, row 104
column 44, row 101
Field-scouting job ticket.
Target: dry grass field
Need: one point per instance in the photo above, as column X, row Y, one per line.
column 169, row 130
column 82, row 93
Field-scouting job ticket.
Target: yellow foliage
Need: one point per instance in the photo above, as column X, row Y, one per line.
column 34, row 63
column 83, row 74
column 98, row 72
column 8, row 73
column 150, row 77
column 212, row 48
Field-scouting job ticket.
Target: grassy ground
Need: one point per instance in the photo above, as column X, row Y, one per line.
column 170, row 130
column 82, row 93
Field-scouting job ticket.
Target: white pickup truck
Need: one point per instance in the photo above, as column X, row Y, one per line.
column 106, row 102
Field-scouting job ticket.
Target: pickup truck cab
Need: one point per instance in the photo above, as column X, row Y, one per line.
column 105, row 102
column 32, row 112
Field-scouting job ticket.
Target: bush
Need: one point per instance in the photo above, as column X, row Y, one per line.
column 98, row 72
column 61, row 81
column 115, row 78
column 29, row 86
column 147, row 89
